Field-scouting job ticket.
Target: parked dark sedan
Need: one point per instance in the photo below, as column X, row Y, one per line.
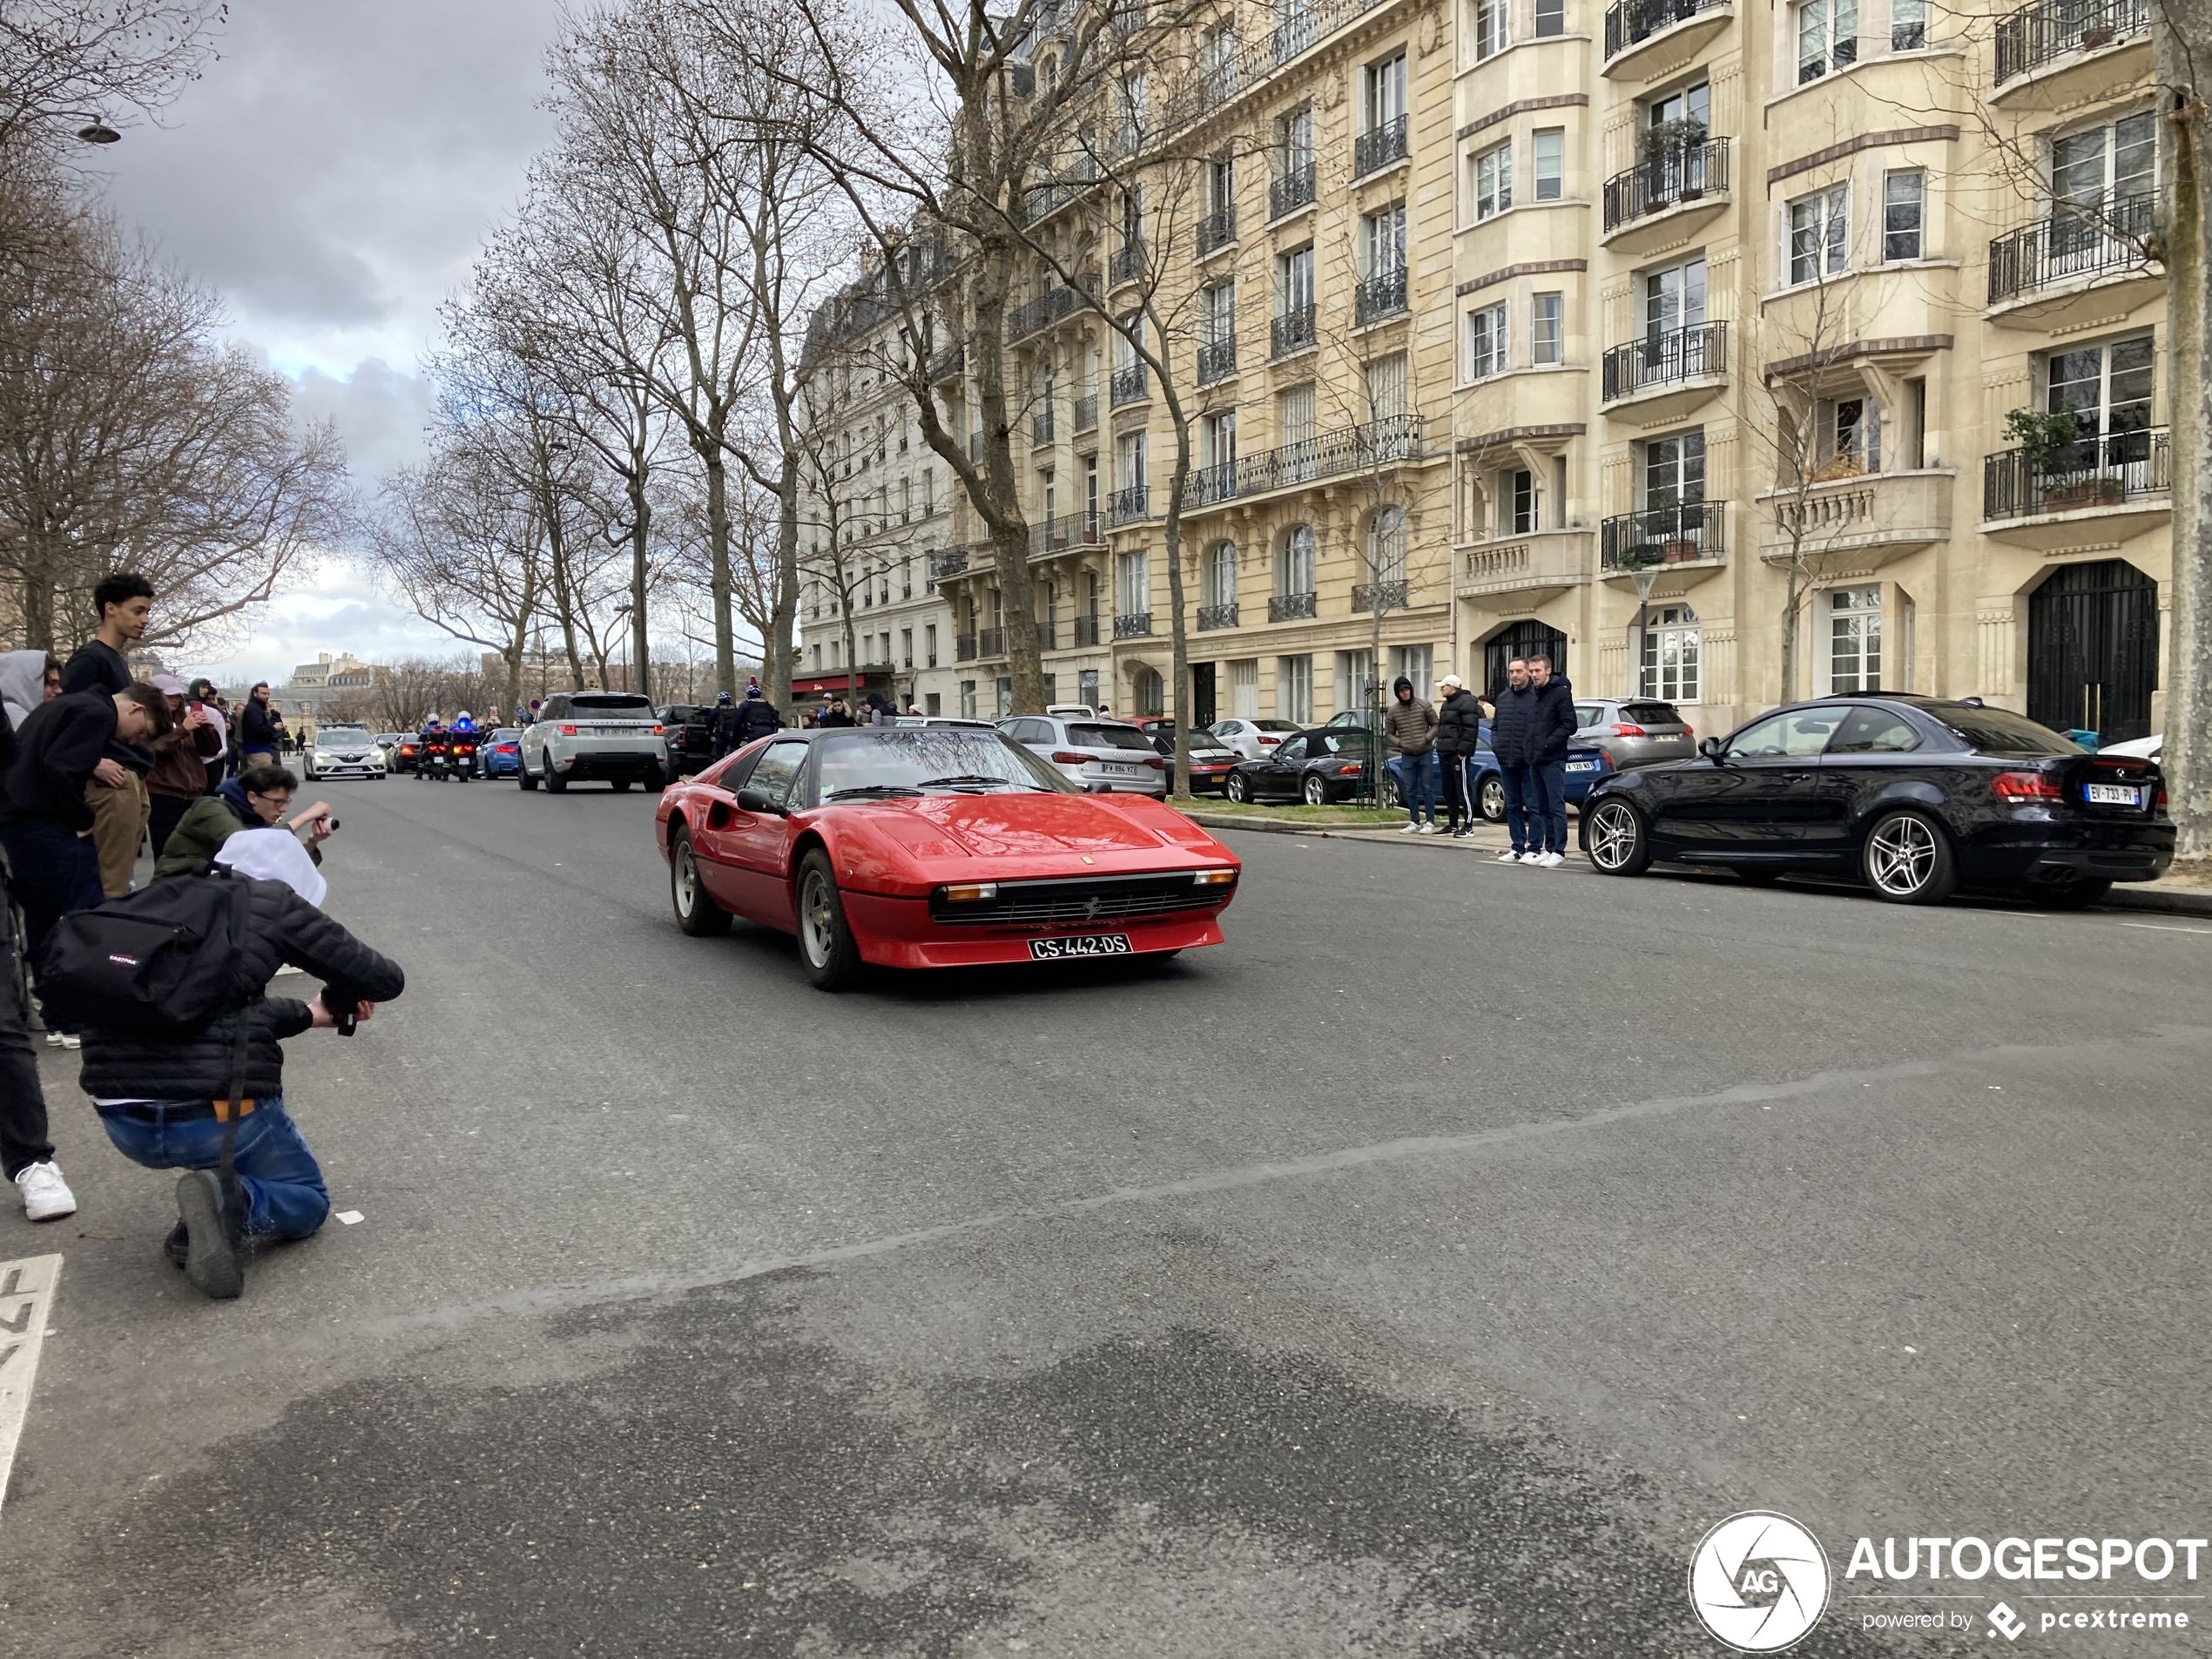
column 1916, row 795
column 1316, row 767
column 1212, row 759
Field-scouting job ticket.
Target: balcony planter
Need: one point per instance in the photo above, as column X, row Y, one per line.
column 1642, row 555
column 1677, row 552
column 2096, row 34
column 2089, row 492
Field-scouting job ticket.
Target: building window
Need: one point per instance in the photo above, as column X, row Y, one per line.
column 1521, row 497
column 1382, row 241
column 1547, row 330
column 1294, row 565
column 1854, row 640
column 934, row 703
column 1294, row 689
column 1908, row 25
column 1551, row 18
column 968, row 699
column 1151, row 691
column 1486, row 342
column 906, row 648
column 1674, row 470
column 1133, row 583
column 1851, row 435
column 1385, row 100
column 1904, row 214
column 1243, row 689
column 929, row 644
column 1819, row 235
column 1490, row 182
column 1386, row 545
column 1673, row 645
column 1217, row 577
column 1827, row 38
column 1387, row 401
column 1551, row 160
column 2108, row 389
column 1490, row 32
column 1087, row 687
column 1294, row 281
column 2098, row 173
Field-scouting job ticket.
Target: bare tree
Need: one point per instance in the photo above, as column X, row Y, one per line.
column 66, row 61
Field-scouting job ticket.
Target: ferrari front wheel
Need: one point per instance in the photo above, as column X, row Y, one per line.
column 826, row 944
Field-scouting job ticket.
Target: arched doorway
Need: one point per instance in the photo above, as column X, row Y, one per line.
column 2092, row 649
column 1524, row 638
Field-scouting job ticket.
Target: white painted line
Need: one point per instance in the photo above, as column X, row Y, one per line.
column 26, row 1293
column 2161, row 927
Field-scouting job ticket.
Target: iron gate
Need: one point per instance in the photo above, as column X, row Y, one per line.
column 2092, row 650
column 1526, row 638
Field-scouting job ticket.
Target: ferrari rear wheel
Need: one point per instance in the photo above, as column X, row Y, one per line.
column 826, row 947
column 696, row 913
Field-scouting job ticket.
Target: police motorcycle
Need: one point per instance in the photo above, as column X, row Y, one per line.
column 462, row 741
column 433, row 757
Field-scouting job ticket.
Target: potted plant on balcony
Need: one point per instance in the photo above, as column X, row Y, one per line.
column 2043, row 436
column 1642, row 556
column 1678, row 551
column 1668, row 146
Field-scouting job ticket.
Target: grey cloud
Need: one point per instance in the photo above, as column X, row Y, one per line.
column 379, row 411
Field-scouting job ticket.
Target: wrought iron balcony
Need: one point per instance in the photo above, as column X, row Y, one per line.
column 1047, row 634
column 1291, row 192
column 949, row 563
column 1292, row 331
column 948, row 362
column 1063, row 531
column 1134, row 626
column 1217, row 359
column 1635, row 21
column 1382, row 295
column 1127, row 386
column 1041, row 428
column 1211, row 617
column 1125, row 265
column 2037, row 36
column 1130, row 506
column 1687, row 174
column 1381, row 596
column 1086, row 631
column 1210, row 486
column 1087, row 412
column 1666, row 360
column 963, row 648
column 1289, row 607
column 1379, row 146
column 2077, row 240
column 1217, row 230
column 1676, row 534
column 990, row 642
column 2107, row 471
column 1329, row 455
column 1048, row 307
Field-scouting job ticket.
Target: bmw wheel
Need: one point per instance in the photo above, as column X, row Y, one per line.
column 1238, row 789
column 826, row 943
column 1490, row 799
column 1315, row 791
column 696, row 913
column 1615, row 839
column 1907, row 860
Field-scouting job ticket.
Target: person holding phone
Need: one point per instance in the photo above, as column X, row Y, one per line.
column 179, row 780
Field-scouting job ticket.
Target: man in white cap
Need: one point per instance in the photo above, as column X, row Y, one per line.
column 167, row 1104
column 1458, row 734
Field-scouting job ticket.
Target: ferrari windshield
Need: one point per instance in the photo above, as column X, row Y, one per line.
column 929, row 760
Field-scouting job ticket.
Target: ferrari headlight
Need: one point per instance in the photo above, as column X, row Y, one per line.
column 972, row 893
column 1214, row 878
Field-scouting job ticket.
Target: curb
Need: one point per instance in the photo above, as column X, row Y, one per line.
column 2135, row 896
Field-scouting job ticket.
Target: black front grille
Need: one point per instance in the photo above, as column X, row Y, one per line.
column 1030, row 904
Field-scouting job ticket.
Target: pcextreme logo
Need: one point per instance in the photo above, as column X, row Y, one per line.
column 1758, row 1581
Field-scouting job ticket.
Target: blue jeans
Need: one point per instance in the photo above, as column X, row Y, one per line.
column 285, row 1197
column 56, row 870
column 1416, row 776
column 1524, row 807
column 1547, row 808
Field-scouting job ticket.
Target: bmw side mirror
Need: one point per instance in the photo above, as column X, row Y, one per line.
column 1711, row 749
column 755, row 800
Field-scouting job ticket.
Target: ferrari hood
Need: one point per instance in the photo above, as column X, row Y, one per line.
column 1023, row 826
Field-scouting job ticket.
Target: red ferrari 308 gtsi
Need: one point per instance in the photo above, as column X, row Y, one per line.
column 934, row 846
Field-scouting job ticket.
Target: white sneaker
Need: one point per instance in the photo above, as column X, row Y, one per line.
column 1411, row 829
column 1429, row 828
column 47, row 1196
column 53, row 1039
column 71, row 1040
column 1549, row 861
column 1509, row 857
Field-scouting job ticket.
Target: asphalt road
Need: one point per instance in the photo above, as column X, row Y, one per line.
column 1422, row 1271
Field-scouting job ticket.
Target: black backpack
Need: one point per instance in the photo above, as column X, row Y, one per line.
column 162, row 963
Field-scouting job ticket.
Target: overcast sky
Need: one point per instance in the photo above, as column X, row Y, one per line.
column 333, row 177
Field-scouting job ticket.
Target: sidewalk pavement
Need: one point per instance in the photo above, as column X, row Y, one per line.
column 2175, row 897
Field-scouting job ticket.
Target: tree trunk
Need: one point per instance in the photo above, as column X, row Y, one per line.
column 2183, row 38
column 719, row 581
column 783, row 619
column 641, row 645
column 1791, row 601
column 1010, row 538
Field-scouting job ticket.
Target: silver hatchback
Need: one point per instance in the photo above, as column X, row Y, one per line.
column 1106, row 756
column 1634, row 731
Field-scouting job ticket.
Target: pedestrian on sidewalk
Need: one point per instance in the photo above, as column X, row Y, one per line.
column 218, row 717
column 1409, row 728
column 179, row 780
column 1552, row 725
column 1458, row 734
column 260, row 729
column 46, row 818
column 1515, row 701
column 165, row 1104
column 116, row 790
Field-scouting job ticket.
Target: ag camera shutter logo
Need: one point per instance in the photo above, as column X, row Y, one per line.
column 1758, row 1581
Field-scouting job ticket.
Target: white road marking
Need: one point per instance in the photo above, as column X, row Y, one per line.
column 2162, row 928
column 26, row 1293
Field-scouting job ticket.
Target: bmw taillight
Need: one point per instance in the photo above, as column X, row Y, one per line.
column 2018, row 787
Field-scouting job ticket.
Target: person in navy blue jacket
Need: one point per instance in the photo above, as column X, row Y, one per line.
column 1552, row 725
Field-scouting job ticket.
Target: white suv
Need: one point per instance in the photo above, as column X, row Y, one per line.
column 1106, row 756
column 610, row 735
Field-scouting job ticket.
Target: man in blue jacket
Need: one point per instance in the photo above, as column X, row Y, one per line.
column 1552, row 724
column 1515, row 702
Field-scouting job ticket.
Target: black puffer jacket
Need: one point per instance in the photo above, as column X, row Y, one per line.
column 1552, row 723
column 284, row 928
column 1509, row 728
column 1459, row 724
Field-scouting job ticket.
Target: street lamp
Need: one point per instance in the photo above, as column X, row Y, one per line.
column 99, row 132
column 1644, row 578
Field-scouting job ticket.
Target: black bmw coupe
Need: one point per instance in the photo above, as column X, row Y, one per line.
column 1915, row 795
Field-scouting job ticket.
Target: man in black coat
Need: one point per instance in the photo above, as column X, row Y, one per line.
column 1552, row 725
column 165, row 1104
column 116, row 790
column 1458, row 734
column 1515, row 701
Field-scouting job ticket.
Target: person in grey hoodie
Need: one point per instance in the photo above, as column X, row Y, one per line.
column 1410, row 730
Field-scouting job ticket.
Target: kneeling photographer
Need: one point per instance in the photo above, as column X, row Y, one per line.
column 257, row 798
column 210, row 1101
